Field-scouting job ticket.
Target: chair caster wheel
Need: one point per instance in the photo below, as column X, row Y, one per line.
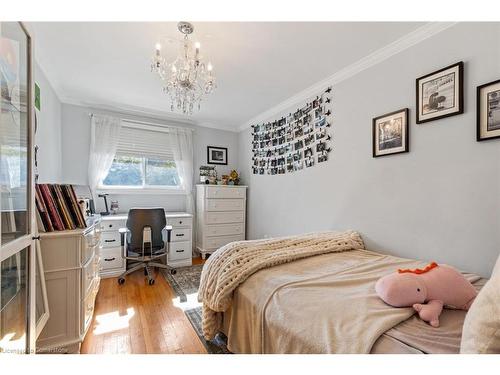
column 173, row 272
column 121, row 281
column 151, row 282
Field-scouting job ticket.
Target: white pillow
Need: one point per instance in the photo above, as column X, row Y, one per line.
column 481, row 331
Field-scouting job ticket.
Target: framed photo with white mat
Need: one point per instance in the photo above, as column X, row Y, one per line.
column 440, row 94
column 390, row 133
column 216, row 155
column 488, row 111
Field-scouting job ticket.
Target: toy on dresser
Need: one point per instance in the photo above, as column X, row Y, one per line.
column 428, row 290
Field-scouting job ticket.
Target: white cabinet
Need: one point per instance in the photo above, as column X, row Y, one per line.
column 71, row 262
column 220, row 211
column 181, row 240
column 112, row 264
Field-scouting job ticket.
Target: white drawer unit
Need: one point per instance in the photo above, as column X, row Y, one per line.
column 112, row 224
column 213, row 243
column 217, row 192
column 179, row 251
column 224, row 217
column 111, row 259
column 221, row 216
column 225, row 230
column 112, row 264
column 180, row 234
column 225, row 204
column 71, row 261
column 180, row 221
column 110, row 239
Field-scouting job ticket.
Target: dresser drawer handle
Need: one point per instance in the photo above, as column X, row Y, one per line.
column 179, row 235
column 180, row 222
column 109, row 259
column 110, row 240
column 179, row 251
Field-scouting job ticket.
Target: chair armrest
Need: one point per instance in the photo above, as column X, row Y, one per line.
column 168, row 228
column 123, row 232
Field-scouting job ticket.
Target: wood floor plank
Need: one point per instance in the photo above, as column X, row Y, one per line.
column 146, row 319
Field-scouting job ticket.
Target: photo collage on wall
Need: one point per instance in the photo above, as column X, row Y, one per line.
column 297, row 141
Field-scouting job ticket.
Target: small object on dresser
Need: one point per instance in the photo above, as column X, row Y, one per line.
column 234, row 177
column 206, row 172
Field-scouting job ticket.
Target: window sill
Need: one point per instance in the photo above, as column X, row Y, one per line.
column 140, row 191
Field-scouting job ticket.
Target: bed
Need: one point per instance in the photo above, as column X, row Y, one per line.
column 290, row 302
column 326, row 303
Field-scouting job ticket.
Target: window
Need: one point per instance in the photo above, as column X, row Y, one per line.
column 144, row 159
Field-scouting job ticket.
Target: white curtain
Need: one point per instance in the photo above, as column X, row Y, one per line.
column 182, row 145
column 105, row 131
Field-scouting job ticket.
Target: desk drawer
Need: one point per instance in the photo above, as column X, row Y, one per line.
column 224, row 230
column 224, row 217
column 181, row 234
column 111, row 258
column 180, row 250
column 110, row 239
column 225, row 204
column 112, row 225
column 225, row 192
column 180, row 221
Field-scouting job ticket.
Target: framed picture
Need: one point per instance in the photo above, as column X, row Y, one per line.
column 488, row 111
column 216, row 155
column 440, row 94
column 390, row 133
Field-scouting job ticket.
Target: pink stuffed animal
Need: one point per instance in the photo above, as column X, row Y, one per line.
column 427, row 290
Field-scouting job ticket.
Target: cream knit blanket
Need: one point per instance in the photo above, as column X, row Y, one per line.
column 233, row 263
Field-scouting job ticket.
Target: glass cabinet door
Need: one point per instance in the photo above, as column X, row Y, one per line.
column 17, row 232
column 14, row 113
column 14, row 303
column 42, row 302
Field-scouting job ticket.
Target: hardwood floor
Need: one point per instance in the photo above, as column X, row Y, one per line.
column 138, row 318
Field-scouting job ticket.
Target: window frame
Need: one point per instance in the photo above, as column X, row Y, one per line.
column 149, row 189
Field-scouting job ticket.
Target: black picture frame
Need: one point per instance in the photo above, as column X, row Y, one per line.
column 212, row 160
column 406, row 138
column 479, row 136
column 460, row 108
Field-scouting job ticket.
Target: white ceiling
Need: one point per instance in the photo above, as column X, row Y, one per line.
column 258, row 65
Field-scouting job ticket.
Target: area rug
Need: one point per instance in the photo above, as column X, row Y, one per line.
column 185, row 284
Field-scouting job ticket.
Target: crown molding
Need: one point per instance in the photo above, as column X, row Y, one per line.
column 422, row 33
column 143, row 112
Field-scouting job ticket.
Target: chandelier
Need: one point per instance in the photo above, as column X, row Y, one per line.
column 187, row 79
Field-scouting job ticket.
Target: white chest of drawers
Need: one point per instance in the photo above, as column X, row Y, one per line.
column 180, row 255
column 71, row 262
column 221, row 216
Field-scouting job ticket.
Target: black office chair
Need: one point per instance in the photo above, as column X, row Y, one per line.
column 145, row 240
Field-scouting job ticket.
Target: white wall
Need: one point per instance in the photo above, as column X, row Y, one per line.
column 75, row 151
column 48, row 135
column 441, row 201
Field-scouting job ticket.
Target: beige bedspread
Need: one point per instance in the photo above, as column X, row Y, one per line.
column 233, row 263
column 323, row 304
